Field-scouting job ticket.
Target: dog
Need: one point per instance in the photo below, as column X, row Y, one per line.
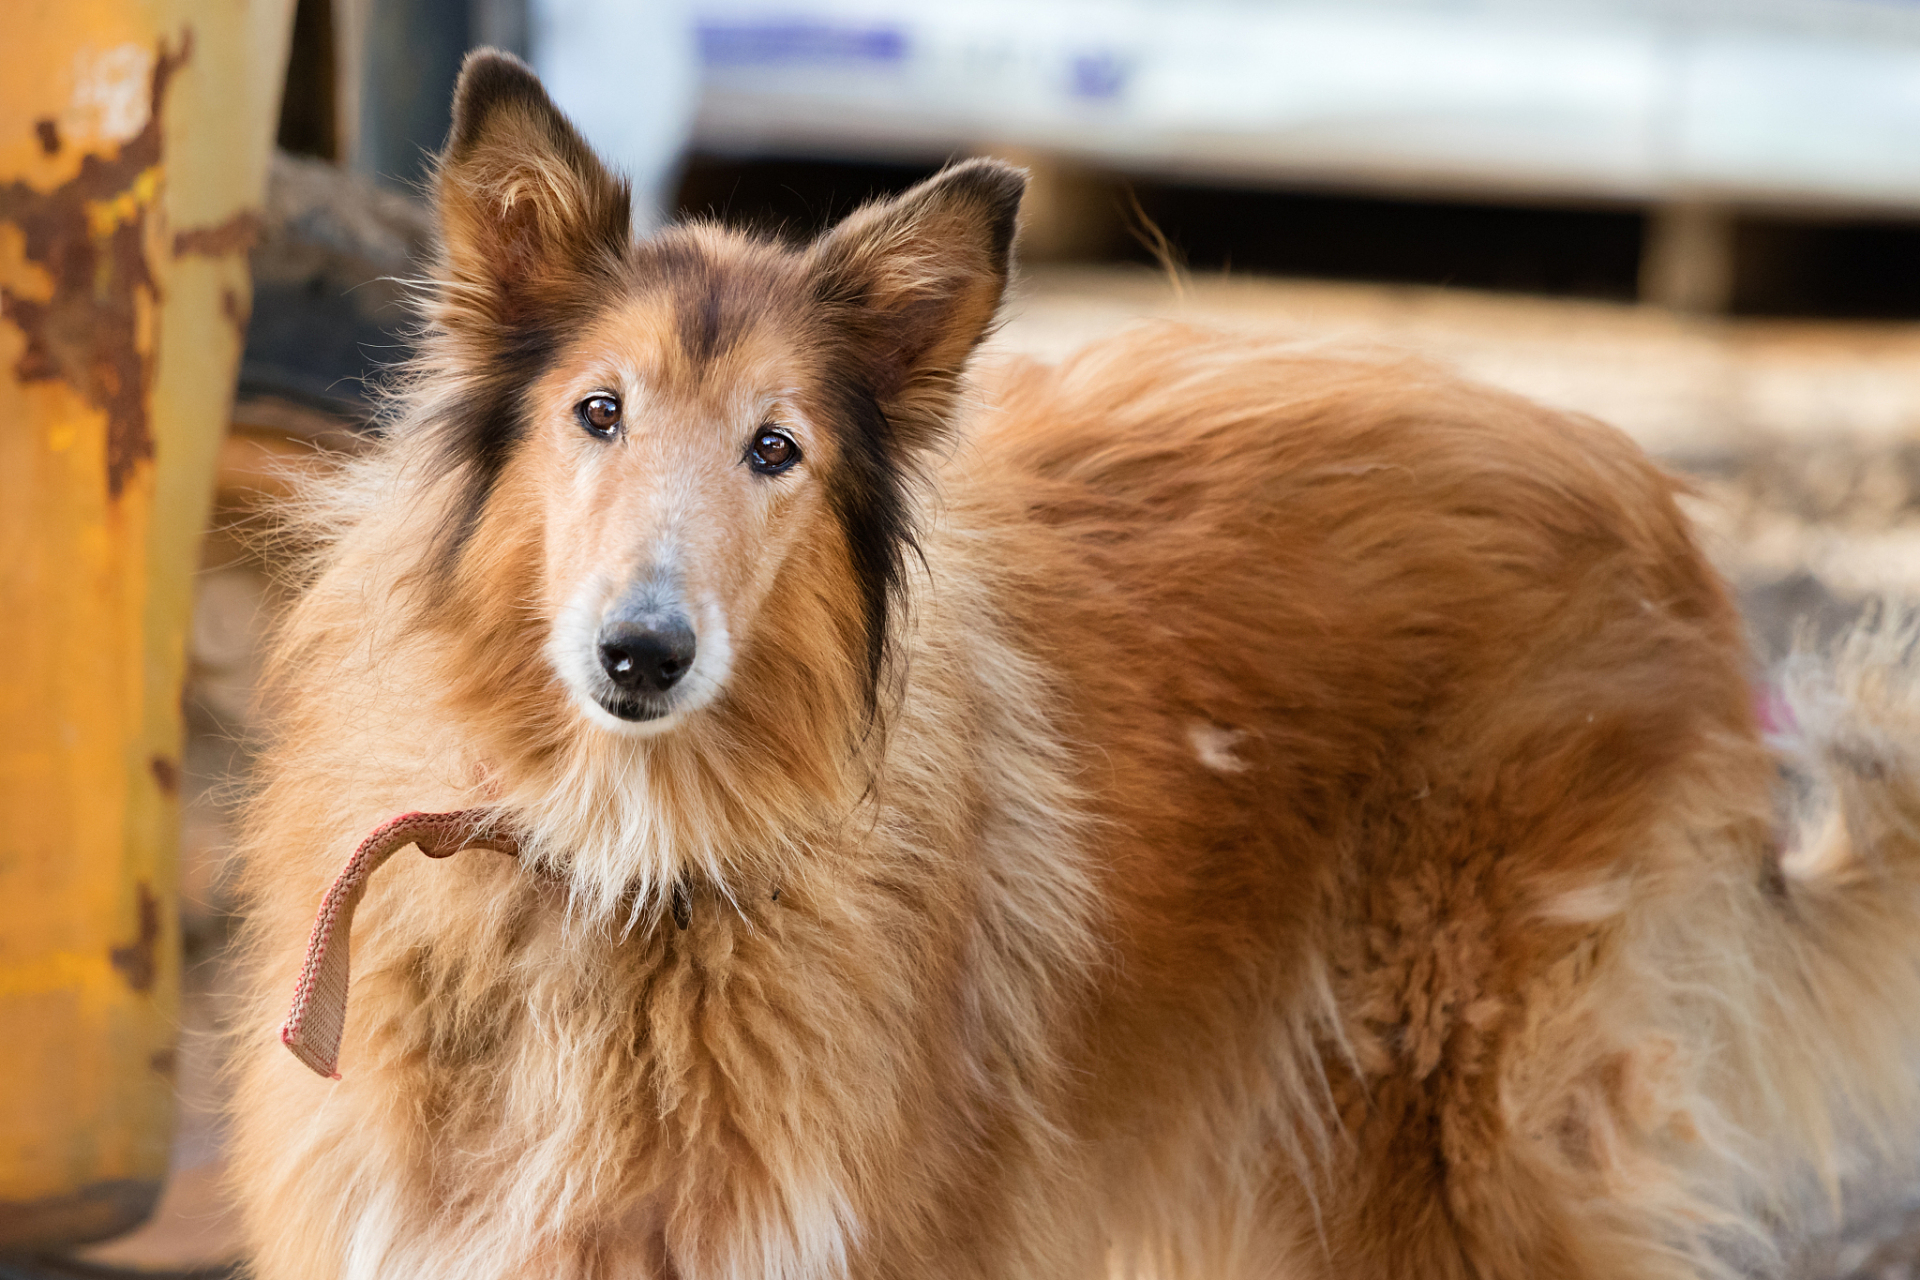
column 1210, row 808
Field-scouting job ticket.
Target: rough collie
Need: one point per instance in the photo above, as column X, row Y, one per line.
column 1207, row 809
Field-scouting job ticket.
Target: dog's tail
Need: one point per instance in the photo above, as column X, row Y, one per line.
column 1839, row 958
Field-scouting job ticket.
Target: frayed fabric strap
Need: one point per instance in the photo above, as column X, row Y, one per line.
column 318, row 1019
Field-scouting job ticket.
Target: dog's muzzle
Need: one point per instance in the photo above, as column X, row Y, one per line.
column 645, row 645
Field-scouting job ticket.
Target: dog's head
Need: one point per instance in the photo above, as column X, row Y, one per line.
column 687, row 463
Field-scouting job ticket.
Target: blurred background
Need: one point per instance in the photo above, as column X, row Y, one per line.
column 1697, row 219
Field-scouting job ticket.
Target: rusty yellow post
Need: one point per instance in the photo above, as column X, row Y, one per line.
column 133, row 147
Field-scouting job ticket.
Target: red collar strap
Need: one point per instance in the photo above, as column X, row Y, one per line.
column 318, row 1019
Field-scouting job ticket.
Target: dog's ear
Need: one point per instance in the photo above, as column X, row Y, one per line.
column 527, row 211
column 915, row 283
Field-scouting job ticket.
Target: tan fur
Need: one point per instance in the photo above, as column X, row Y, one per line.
column 1312, row 821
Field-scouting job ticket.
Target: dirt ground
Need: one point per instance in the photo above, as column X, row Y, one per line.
column 1803, row 440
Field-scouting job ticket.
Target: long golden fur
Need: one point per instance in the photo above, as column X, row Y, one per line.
column 1205, row 809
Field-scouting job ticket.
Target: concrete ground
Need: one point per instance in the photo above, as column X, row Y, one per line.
column 1804, row 441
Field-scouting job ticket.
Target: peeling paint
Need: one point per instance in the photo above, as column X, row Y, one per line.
column 236, row 235
column 109, row 102
column 117, row 136
column 89, row 235
column 139, row 961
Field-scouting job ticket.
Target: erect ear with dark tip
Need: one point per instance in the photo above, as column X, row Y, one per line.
column 916, row 281
column 526, row 209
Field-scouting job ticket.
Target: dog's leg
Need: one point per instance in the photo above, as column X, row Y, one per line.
column 1422, row 1191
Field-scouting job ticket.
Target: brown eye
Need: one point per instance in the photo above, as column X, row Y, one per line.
column 773, row 452
column 600, row 415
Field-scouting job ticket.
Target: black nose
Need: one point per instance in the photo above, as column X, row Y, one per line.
column 646, row 657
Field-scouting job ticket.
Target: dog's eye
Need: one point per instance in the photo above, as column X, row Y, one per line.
column 773, row 452
column 600, row 415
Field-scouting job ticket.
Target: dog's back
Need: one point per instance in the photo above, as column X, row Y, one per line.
column 1416, row 725
column 1294, row 814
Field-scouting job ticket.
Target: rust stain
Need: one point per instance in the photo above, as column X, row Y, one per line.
column 140, row 961
column 236, row 311
column 166, row 773
column 48, row 131
column 89, row 233
column 236, row 235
